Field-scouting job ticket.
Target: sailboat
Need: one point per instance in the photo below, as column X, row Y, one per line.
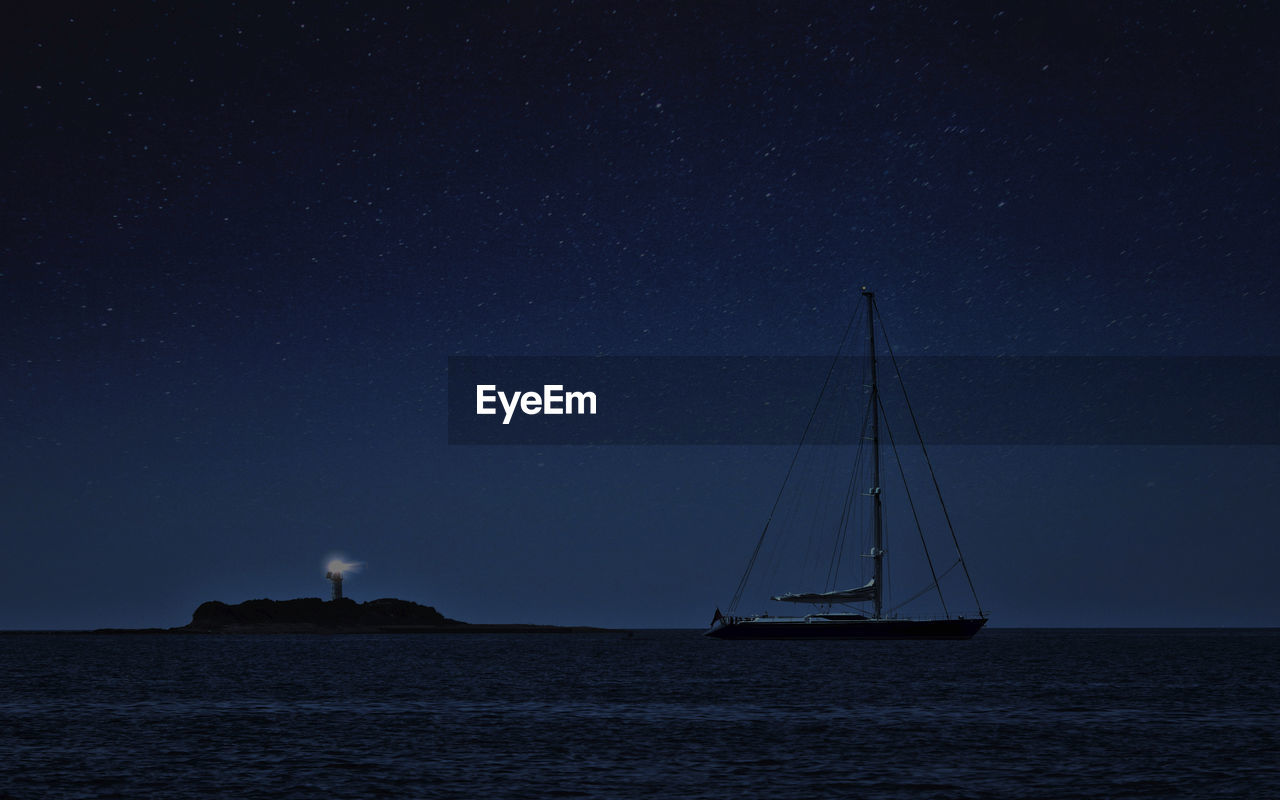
column 857, row 612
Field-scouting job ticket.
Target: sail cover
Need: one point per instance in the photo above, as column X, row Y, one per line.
column 859, row 595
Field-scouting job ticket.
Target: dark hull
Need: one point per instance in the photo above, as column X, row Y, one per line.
column 819, row 628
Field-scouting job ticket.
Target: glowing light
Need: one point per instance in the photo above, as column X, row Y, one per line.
column 338, row 565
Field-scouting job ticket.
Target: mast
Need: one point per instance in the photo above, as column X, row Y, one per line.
column 877, row 541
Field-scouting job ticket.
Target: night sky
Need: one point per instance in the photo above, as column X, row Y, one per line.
column 240, row 242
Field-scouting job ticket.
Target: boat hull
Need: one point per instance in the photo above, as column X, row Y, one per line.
column 821, row 628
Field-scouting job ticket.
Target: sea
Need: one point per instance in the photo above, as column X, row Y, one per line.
column 654, row 714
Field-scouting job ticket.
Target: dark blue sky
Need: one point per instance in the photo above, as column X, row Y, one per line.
column 240, row 243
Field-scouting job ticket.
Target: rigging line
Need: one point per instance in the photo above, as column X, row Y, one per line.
column 938, row 489
column 911, row 502
column 926, row 589
column 817, row 522
column 886, row 574
column 742, row 584
column 842, row 528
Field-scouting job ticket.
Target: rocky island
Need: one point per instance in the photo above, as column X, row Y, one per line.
column 339, row 615
column 343, row 615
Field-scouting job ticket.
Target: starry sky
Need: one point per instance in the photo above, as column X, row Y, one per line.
column 240, row 242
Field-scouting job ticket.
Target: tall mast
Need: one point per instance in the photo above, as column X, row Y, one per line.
column 877, row 541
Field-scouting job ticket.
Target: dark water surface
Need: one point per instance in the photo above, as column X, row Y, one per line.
column 1052, row 714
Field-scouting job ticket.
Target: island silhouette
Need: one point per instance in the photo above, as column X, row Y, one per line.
column 340, row 614
column 344, row 615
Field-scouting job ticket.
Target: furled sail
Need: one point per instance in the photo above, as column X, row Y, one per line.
column 859, row 595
